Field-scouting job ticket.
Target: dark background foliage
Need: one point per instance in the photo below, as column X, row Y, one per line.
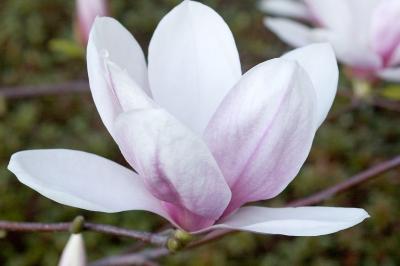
column 37, row 47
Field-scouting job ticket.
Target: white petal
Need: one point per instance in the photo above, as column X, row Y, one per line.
column 395, row 58
column 83, row 180
column 301, row 221
column 390, row 74
column 262, row 132
column 291, row 32
column 193, row 63
column 349, row 20
column 74, row 252
column 385, row 32
column 319, row 61
column 175, row 163
column 332, row 14
column 109, row 40
column 348, row 50
column 287, row 8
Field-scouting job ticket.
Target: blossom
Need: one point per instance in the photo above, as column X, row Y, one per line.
column 86, row 13
column 203, row 138
column 74, row 252
column 364, row 33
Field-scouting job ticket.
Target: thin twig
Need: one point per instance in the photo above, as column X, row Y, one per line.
column 313, row 199
column 390, row 105
column 147, row 237
column 144, row 256
column 376, row 101
column 41, row 90
column 348, row 183
column 34, row 227
column 141, row 258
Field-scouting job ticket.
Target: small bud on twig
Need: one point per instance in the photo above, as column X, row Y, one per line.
column 178, row 240
column 3, row 234
column 77, row 225
column 183, row 236
column 173, row 245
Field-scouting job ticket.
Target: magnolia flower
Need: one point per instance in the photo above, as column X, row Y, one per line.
column 364, row 33
column 74, row 252
column 203, row 138
column 86, row 13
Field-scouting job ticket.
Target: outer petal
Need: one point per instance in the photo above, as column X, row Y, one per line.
column 319, row 61
column 390, row 74
column 83, row 180
column 74, row 252
column 109, row 40
column 287, row 8
column 301, row 221
column 291, row 32
column 262, row 132
column 193, row 63
column 177, row 165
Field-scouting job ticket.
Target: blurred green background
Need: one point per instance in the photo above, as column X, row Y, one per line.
column 37, row 47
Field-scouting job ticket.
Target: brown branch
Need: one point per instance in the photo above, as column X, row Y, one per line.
column 376, row 101
column 348, row 183
column 313, row 199
column 41, row 90
column 390, row 105
column 33, row 227
column 151, row 238
column 141, row 258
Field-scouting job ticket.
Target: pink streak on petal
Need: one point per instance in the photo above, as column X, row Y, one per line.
column 186, row 219
column 262, row 132
column 385, row 30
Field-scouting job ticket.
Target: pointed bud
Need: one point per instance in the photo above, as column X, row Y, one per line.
column 173, row 245
column 86, row 13
column 183, row 236
column 77, row 225
column 74, row 252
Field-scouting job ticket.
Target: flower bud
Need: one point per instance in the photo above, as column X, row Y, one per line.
column 74, row 252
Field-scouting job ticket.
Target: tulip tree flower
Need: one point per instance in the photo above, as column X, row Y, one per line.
column 86, row 13
column 365, row 34
column 74, row 252
column 203, row 138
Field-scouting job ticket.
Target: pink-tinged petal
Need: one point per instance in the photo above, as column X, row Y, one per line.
column 87, row 11
column 193, row 63
column 263, row 130
column 348, row 20
column 74, row 252
column 287, row 8
column 390, row 74
column 319, row 61
column 83, row 180
column 301, row 221
column 166, row 178
column 110, row 41
column 291, row 32
column 395, row 57
column 176, row 164
column 326, row 13
column 349, row 51
column 385, row 30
